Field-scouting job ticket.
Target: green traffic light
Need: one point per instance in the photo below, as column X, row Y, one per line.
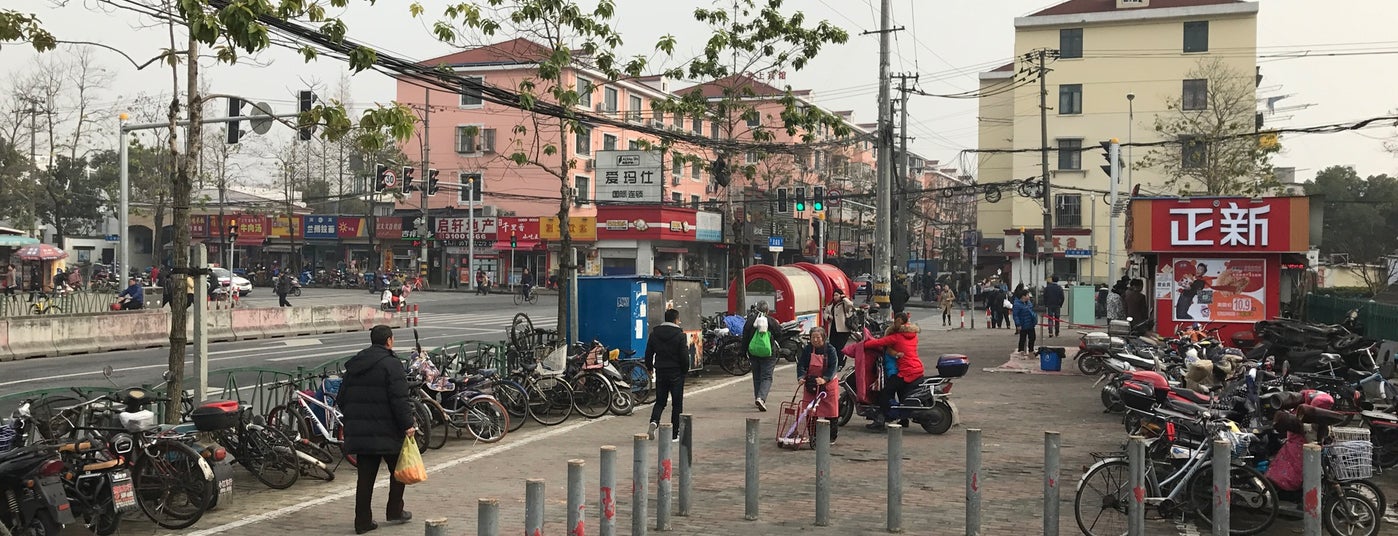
column 800, row 206
column 819, row 207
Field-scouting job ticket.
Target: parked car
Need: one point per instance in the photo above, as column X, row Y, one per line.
column 227, row 278
column 861, row 284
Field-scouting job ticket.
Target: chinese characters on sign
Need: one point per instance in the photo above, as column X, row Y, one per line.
column 579, row 228
column 629, row 176
column 322, row 227
column 456, row 230
column 1214, row 289
column 1237, row 226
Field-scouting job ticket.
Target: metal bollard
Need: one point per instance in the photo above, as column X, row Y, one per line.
column 750, row 478
column 1222, row 496
column 1310, row 487
column 577, row 499
column 606, row 483
column 1052, row 440
column 534, row 507
column 663, row 465
column 487, row 517
column 435, row 527
column 895, row 478
column 639, row 501
column 686, row 458
column 1136, row 509
column 822, row 484
column 973, row 482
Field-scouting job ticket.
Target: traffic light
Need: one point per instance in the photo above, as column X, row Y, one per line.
column 1107, row 157
column 815, row 230
column 819, row 198
column 235, row 109
column 407, row 178
column 232, row 230
column 305, row 100
column 719, row 170
column 514, row 241
column 781, row 200
column 417, row 243
column 379, row 172
column 800, row 199
column 431, row 182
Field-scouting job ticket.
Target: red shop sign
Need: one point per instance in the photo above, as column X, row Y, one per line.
column 524, row 229
column 1221, row 225
column 388, row 227
column 199, row 226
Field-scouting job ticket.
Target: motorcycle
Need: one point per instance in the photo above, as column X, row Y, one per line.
column 391, row 301
column 789, row 340
column 35, row 503
column 926, row 401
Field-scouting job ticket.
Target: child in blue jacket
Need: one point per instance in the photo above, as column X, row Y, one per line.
column 1025, row 321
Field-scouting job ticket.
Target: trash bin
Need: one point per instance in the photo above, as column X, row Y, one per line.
column 1051, row 359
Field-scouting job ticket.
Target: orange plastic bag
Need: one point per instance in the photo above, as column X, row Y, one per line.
column 410, row 468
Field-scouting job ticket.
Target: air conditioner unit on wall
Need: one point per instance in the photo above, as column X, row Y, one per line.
column 587, row 165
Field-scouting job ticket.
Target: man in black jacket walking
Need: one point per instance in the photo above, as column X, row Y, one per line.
column 377, row 417
column 667, row 355
column 1053, row 303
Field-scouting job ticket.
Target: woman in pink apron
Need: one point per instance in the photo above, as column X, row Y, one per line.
column 815, row 370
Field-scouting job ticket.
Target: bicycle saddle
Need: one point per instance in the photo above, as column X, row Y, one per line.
column 486, row 373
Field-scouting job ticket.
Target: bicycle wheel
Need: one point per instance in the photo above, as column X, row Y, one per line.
column 486, row 419
column 622, row 402
column 521, row 332
column 592, row 395
column 639, row 378
column 315, row 461
column 173, row 485
column 1370, row 491
column 340, row 440
column 1102, row 499
column 270, row 456
column 550, row 401
column 284, row 419
column 1350, row 515
column 1253, row 505
column 422, row 423
column 440, row 425
column 533, row 298
column 510, row 395
column 519, row 298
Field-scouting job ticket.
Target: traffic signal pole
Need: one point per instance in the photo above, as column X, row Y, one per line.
column 426, row 163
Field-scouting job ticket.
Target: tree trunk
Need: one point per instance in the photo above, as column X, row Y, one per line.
column 180, row 193
column 565, row 242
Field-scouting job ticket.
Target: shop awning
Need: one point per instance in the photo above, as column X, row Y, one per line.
column 680, row 251
column 523, row 245
column 10, row 241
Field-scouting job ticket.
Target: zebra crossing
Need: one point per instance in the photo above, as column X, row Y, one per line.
column 491, row 321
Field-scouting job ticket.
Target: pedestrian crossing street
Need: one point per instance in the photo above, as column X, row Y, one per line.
column 492, row 321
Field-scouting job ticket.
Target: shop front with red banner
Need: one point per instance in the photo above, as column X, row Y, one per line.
column 648, row 240
column 1222, row 262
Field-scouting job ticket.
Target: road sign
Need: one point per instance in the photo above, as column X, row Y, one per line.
column 832, row 197
column 113, row 238
column 776, row 243
column 390, row 179
column 261, row 119
column 1077, row 253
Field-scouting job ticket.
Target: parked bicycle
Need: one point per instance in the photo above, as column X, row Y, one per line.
column 264, row 451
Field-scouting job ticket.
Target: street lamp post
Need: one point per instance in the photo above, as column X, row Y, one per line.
column 1130, row 127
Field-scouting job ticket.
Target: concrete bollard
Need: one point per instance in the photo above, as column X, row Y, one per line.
column 973, row 482
column 822, row 483
column 606, row 484
column 1052, row 440
column 487, row 517
column 1222, row 496
column 577, row 499
column 534, row 507
column 686, row 458
column 750, row 478
column 1310, row 487
column 895, row 478
column 435, row 527
column 663, row 465
column 639, row 500
column 1136, row 509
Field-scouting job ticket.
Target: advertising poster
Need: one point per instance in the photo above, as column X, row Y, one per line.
column 1217, row 289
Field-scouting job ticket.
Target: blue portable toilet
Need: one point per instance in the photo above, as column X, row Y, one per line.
column 619, row 310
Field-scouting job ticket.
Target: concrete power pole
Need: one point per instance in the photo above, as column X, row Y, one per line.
column 883, row 270
column 1046, row 245
column 422, row 186
column 908, row 213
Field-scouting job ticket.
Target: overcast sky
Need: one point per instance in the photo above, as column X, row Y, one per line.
column 947, row 41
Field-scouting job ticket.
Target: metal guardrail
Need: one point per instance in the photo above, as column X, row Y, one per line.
column 1380, row 319
column 22, row 303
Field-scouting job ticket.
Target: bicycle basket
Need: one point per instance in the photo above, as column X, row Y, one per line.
column 1341, row 433
column 1351, row 460
column 1238, row 443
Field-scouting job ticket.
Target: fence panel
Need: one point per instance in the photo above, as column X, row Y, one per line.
column 1380, row 319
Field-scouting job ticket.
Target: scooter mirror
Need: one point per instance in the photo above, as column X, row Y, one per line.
column 166, row 375
column 107, row 371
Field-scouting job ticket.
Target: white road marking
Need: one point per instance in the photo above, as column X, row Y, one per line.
column 382, row 483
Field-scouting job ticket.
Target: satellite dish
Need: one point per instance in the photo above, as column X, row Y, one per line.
column 261, row 118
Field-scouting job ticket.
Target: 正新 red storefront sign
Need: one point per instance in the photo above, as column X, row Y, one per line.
column 1220, row 225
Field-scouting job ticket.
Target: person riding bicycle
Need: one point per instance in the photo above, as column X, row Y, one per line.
column 526, row 283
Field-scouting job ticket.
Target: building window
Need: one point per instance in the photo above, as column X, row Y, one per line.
column 694, row 170
column 470, row 180
column 679, row 121
column 656, row 114
column 583, row 185
column 1194, row 152
column 1069, row 99
column 713, row 130
column 699, row 125
column 750, row 157
column 471, row 91
column 584, row 141
column 1066, row 269
column 609, row 100
column 608, row 142
column 1069, row 154
column 633, row 145
column 1070, row 43
column 472, row 139
column 585, row 92
column 633, row 113
column 677, row 165
column 1196, row 36
column 1195, row 95
column 754, row 119
column 1067, row 210
column 676, row 197
column 694, row 202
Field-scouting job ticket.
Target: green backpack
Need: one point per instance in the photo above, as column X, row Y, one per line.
column 761, row 345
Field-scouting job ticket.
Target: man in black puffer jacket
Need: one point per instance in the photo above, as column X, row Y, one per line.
column 667, row 354
column 377, row 417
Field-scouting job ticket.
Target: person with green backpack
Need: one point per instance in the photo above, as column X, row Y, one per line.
column 757, row 338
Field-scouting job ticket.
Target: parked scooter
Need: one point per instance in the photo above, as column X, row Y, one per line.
column 34, row 501
column 926, row 401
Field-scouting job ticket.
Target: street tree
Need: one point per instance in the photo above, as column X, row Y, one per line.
column 1215, row 147
column 1360, row 216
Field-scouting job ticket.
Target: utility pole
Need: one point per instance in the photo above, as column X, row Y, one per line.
column 1045, row 245
column 426, row 232
column 906, row 215
column 883, row 270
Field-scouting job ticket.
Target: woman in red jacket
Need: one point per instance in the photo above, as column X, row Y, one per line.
column 900, row 341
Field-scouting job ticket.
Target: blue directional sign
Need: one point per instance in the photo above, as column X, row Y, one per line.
column 776, row 243
column 1077, row 253
column 113, row 238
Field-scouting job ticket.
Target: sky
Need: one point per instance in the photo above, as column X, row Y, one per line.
column 946, row 41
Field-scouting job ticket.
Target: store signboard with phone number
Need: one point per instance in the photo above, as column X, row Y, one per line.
column 1210, row 290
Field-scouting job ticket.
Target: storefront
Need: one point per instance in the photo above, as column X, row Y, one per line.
column 388, row 232
column 518, row 243
column 356, row 251
column 654, row 240
column 582, row 230
column 456, row 235
column 1217, row 261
